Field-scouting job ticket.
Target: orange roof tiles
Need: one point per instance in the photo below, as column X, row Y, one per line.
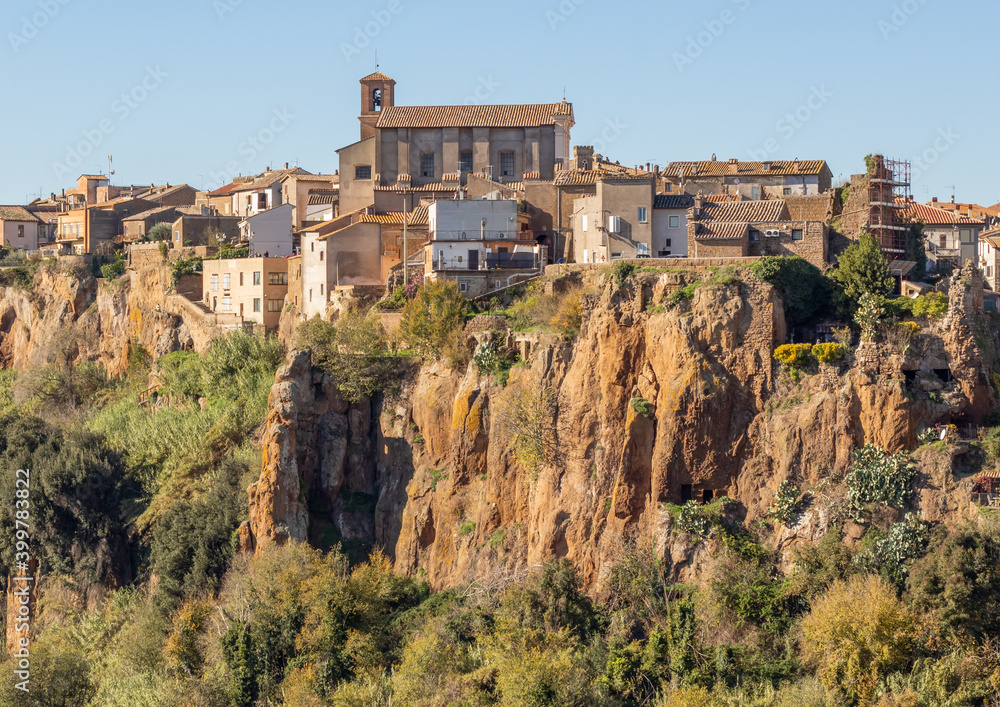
column 934, row 215
column 721, row 230
column 17, row 213
column 499, row 116
column 779, row 168
column 377, row 76
column 746, row 211
column 418, row 217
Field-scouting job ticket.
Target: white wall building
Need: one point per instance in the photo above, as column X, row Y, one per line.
column 270, row 231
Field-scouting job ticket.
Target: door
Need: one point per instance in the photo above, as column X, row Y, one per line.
column 473, row 260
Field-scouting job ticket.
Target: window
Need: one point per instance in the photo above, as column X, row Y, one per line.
column 241, row 279
column 256, row 278
column 506, row 164
column 586, row 222
column 943, row 241
column 642, row 214
column 787, row 191
column 20, row 231
column 215, row 283
column 321, row 256
column 227, row 303
column 262, row 201
column 363, row 171
column 312, row 247
column 675, row 221
column 463, row 287
column 668, row 243
column 664, row 253
column 377, row 100
column 226, row 281
column 274, row 305
column 465, row 162
column 642, row 249
column 177, row 236
column 754, row 235
column 966, row 235
column 796, row 234
column 256, row 304
column 669, row 187
column 427, row 165
column 277, row 278
column 616, row 255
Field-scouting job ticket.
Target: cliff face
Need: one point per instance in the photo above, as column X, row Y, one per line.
column 431, row 474
column 69, row 316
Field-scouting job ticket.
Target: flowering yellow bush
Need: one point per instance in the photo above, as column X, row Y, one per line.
column 794, row 355
column 829, row 353
column 911, row 327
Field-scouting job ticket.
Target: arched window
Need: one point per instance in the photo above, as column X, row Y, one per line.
column 377, row 100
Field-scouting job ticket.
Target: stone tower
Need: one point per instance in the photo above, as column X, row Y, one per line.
column 377, row 94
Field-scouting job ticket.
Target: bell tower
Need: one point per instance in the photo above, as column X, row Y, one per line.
column 377, row 94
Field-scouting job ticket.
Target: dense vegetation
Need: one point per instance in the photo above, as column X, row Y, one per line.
column 143, row 502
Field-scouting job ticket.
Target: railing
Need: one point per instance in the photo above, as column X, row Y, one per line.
column 511, row 261
column 991, row 500
column 146, row 395
column 474, row 235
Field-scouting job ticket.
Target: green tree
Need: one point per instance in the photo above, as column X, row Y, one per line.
column 432, row 317
column 856, row 634
column 862, row 269
column 355, row 352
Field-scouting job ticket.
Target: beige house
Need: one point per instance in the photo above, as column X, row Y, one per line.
column 617, row 222
column 20, row 228
column 252, row 288
column 951, row 239
column 751, row 180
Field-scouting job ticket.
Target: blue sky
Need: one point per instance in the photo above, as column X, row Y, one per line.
column 197, row 91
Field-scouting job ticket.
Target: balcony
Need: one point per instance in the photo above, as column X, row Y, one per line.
column 477, row 235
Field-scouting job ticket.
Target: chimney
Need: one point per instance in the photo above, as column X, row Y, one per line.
column 286, row 165
column 934, row 200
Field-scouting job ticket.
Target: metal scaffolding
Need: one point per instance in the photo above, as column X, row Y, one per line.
column 888, row 194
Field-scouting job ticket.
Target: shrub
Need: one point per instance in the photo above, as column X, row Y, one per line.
column 432, row 316
column 787, row 503
column 879, row 477
column 621, row 272
column 569, row 316
column 690, row 520
column 160, row 232
column 110, row 271
column 526, row 417
column 803, row 288
column 355, row 353
column 856, row 634
column 891, row 555
column 933, row 305
column 829, row 353
column 794, row 355
column 182, row 267
column 869, row 316
column 163, row 248
column 643, row 407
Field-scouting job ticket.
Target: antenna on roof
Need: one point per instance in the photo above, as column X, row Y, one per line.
column 564, row 92
column 376, row 60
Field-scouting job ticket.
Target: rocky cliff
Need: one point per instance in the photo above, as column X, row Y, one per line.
column 432, row 474
column 69, row 316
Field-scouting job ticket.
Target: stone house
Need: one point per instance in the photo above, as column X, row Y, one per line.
column 751, row 180
column 20, row 228
column 251, row 288
column 316, row 197
column 197, row 229
column 137, row 226
column 753, row 228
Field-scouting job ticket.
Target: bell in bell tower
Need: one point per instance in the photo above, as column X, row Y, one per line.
column 376, row 95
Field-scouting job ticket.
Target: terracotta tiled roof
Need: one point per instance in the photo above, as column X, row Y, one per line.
column 142, row 216
column 970, row 210
column 673, row 201
column 746, row 211
column 17, row 213
column 779, row 168
column 535, row 176
column 502, row 116
column 934, row 216
column 321, row 197
column 418, row 217
column 434, row 186
column 377, row 76
column 721, row 230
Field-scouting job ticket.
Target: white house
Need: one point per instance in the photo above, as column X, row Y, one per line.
column 670, row 225
column 270, row 231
